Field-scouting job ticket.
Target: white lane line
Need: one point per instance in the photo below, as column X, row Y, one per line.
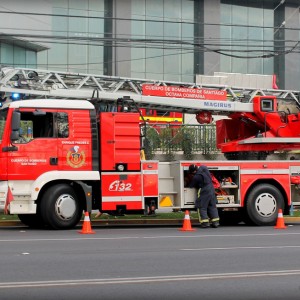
column 148, row 237
column 138, row 280
column 237, row 248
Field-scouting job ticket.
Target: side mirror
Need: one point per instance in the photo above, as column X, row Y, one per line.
column 16, row 121
column 15, row 126
column 14, row 136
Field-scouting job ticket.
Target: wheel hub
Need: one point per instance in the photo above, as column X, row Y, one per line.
column 266, row 205
column 65, row 207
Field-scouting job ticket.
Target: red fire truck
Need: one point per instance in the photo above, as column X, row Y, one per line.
column 62, row 155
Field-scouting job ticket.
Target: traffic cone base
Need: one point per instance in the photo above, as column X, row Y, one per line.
column 280, row 221
column 187, row 226
column 86, row 226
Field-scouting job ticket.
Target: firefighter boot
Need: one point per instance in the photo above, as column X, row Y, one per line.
column 204, row 224
column 215, row 224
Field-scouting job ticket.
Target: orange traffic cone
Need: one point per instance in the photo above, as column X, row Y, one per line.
column 187, row 226
column 280, row 221
column 86, row 227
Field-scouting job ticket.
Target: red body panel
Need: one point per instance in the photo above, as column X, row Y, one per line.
column 121, row 189
column 75, row 152
column 120, row 140
column 72, row 153
column 150, row 179
column 263, row 122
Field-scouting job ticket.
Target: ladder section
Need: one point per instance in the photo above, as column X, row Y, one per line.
column 37, row 83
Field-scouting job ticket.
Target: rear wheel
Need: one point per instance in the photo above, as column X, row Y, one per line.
column 60, row 207
column 262, row 205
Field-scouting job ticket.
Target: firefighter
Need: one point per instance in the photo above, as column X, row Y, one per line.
column 206, row 199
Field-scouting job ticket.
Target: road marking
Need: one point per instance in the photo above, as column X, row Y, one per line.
column 138, row 280
column 237, row 248
column 192, row 235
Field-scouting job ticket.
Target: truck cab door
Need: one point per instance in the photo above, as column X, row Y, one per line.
column 35, row 151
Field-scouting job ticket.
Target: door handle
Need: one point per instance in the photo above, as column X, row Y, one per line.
column 53, row 161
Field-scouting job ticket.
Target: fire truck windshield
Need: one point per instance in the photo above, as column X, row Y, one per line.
column 3, row 117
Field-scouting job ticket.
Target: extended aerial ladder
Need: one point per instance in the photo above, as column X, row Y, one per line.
column 269, row 122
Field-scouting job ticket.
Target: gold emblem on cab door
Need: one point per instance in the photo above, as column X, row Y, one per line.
column 75, row 158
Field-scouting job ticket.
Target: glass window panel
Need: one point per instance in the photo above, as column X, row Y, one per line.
column 164, row 64
column 78, row 58
column 30, row 59
column 96, row 24
column 156, row 76
column 172, row 9
column 78, row 25
column 58, row 56
column 42, row 59
column 95, row 59
column 187, row 10
column 7, row 54
column 60, row 24
column 172, row 61
column 96, row 5
column 187, row 78
column 138, row 60
column 78, row 4
column 138, row 29
column 154, row 29
column 187, row 65
column 172, row 30
column 138, row 8
column 154, row 9
column 19, row 56
column 250, row 39
column 154, row 62
column 60, row 3
column 188, row 32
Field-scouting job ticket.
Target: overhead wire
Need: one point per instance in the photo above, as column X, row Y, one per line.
column 207, row 45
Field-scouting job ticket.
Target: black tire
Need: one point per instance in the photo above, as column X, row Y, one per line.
column 262, row 205
column 33, row 221
column 230, row 218
column 60, row 207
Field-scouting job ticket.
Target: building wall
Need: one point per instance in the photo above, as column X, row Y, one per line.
column 291, row 61
column 21, row 26
column 157, row 39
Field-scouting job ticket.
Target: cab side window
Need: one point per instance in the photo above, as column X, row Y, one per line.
column 43, row 125
column 36, row 126
column 62, row 125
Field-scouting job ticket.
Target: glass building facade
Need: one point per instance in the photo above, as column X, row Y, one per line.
column 11, row 54
column 157, row 39
column 248, row 34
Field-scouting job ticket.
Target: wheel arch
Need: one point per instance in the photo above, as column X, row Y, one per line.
column 78, row 189
column 273, row 182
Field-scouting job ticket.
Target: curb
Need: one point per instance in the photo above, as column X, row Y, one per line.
column 111, row 222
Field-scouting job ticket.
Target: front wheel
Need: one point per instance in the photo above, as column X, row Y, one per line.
column 60, row 207
column 262, row 205
column 30, row 220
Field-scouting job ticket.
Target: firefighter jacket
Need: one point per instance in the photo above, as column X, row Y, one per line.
column 202, row 181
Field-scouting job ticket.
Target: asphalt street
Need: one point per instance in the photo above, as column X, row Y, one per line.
column 150, row 262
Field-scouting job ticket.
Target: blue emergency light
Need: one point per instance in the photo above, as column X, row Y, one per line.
column 16, row 96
